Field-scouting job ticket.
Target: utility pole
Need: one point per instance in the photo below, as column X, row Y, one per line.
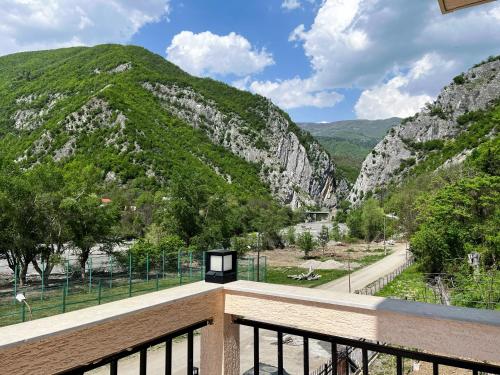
column 385, row 248
column 349, row 268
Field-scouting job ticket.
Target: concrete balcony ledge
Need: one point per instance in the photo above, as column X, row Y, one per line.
column 85, row 318
column 363, row 302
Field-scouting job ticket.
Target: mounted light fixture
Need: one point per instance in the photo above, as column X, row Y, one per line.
column 221, row 266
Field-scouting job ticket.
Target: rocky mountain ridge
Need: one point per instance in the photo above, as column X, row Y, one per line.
column 410, row 143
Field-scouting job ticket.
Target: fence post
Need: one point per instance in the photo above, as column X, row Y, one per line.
column 64, row 298
column 43, row 280
column 147, row 268
column 202, row 265
column 111, row 271
column 265, row 269
column 99, row 292
column 190, row 265
column 23, row 312
column 15, row 283
column 129, row 274
column 180, row 267
column 163, row 264
column 178, row 263
column 157, row 282
column 67, row 276
column 90, row 274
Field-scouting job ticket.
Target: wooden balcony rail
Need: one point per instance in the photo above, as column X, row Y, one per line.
column 78, row 341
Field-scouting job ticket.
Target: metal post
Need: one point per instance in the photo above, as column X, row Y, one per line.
column 157, row 282
column 110, row 271
column 129, row 274
column 190, row 353
column 64, row 299
column 190, row 265
column 256, row 361
column 23, row 312
column 306, row 355
column 258, row 256
column 15, row 282
column 178, row 263
column 43, row 280
column 280, row 353
column 147, row 268
column 163, row 264
column 248, row 268
column 99, row 292
column 67, row 275
column 203, row 265
column 265, row 268
column 90, row 274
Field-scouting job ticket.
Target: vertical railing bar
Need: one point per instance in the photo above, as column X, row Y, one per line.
column 113, row 367
column 280, row 353
column 399, row 365
column 306, row 355
column 435, row 368
column 475, row 372
column 190, row 353
column 335, row 358
column 168, row 356
column 365, row 361
column 143, row 361
column 256, row 360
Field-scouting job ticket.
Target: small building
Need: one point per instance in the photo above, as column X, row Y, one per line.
column 317, row 215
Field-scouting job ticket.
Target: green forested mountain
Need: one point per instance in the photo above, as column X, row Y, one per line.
column 350, row 141
column 112, row 142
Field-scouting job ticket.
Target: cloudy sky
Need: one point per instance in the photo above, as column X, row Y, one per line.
column 321, row 60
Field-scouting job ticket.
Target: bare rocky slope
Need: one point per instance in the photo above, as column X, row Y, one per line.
column 410, row 143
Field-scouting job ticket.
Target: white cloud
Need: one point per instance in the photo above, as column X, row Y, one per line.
column 372, row 44
column 290, row 4
column 394, row 98
column 211, row 54
column 42, row 24
column 294, row 93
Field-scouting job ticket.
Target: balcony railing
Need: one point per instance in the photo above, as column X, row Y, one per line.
column 80, row 341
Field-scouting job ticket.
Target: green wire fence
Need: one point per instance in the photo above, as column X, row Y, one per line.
column 107, row 278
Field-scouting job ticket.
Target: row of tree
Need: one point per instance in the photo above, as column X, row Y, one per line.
column 49, row 209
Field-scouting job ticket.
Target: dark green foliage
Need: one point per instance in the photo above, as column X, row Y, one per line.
column 456, row 220
column 488, row 60
column 170, row 178
column 459, row 80
column 306, row 243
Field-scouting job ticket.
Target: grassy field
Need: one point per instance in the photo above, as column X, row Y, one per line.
column 279, row 275
column 409, row 285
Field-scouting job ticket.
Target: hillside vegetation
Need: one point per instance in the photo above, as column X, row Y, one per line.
column 108, row 143
column 348, row 142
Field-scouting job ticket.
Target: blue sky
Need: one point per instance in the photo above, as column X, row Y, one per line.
column 320, row 60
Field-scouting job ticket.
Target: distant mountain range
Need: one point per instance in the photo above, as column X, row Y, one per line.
column 350, row 141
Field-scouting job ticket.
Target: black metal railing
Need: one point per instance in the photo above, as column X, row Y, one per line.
column 364, row 346
column 142, row 349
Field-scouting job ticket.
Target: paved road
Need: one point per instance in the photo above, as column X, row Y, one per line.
column 367, row 275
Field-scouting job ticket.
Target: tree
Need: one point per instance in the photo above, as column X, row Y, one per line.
column 21, row 228
column 324, row 237
column 456, row 220
column 290, row 235
column 372, row 218
column 306, row 243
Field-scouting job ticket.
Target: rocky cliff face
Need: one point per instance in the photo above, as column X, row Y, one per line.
column 396, row 153
column 296, row 175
